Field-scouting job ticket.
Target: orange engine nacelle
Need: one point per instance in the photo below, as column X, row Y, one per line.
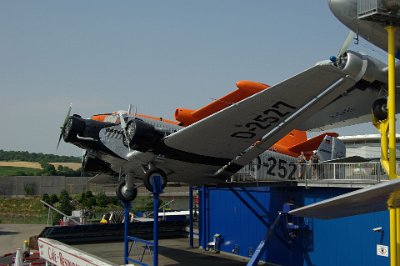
column 245, row 88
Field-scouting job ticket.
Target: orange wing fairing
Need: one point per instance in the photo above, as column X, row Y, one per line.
column 244, row 90
column 158, row 119
column 100, row 117
column 114, row 118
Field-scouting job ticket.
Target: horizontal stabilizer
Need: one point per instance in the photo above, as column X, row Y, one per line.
column 370, row 199
column 351, row 159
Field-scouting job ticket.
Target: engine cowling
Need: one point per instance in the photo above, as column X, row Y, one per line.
column 361, row 66
column 84, row 133
column 142, row 136
column 74, row 126
column 90, row 163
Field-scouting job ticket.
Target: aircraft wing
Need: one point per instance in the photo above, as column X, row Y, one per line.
column 369, row 199
column 104, row 179
column 351, row 159
column 263, row 118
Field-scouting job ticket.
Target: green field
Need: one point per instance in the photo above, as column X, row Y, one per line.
column 17, row 171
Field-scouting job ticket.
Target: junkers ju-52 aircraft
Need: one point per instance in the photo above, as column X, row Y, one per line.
column 208, row 145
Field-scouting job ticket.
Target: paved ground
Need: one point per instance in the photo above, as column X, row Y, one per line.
column 12, row 236
column 171, row 251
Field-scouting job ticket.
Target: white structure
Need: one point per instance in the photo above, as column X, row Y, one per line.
column 366, row 146
column 60, row 254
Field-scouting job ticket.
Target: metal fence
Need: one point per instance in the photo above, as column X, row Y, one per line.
column 276, row 167
column 38, row 185
column 368, row 171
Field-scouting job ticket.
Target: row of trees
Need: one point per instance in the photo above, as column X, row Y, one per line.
column 93, row 205
column 35, row 157
column 87, row 201
column 50, row 170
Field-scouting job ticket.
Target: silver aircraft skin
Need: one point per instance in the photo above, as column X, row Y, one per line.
column 346, row 12
column 330, row 94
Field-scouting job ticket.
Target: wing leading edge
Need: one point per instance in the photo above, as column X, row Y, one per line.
column 370, row 199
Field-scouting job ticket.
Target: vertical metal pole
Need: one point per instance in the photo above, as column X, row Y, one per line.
column 394, row 225
column 157, row 189
column 392, row 101
column 207, row 215
column 334, row 171
column 155, row 228
column 191, row 216
column 397, row 235
column 127, row 207
column 204, row 217
column 200, row 217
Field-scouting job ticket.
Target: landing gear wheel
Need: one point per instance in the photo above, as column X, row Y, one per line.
column 148, row 179
column 126, row 195
column 379, row 109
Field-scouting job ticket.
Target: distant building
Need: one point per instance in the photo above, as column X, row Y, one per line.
column 367, row 146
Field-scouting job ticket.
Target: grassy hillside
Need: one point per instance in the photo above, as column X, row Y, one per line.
column 23, row 168
column 31, row 210
column 22, row 210
column 16, row 171
column 27, row 163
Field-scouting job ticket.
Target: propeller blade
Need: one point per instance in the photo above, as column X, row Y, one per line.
column 123, row 126
column 59, row 140
column 64, row 124
column 122, row 121
column 346, row 43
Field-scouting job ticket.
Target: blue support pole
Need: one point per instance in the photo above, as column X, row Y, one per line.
column 200, row 226
column 127, row 207
column 157, row 190
column 204, row 218
column 191, row 216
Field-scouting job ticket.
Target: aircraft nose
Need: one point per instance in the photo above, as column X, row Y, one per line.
column 344, row 10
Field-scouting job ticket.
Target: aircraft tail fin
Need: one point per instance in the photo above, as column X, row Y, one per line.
column 312, row 143
column 331, row 148
column 244, row 89
column 327, row 145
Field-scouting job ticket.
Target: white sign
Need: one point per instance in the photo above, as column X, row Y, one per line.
column 382, row 250
column 61, row 254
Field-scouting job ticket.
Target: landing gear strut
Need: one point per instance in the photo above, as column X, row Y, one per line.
column 126, row 190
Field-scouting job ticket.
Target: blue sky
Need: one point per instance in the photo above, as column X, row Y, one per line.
column 158, row 55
